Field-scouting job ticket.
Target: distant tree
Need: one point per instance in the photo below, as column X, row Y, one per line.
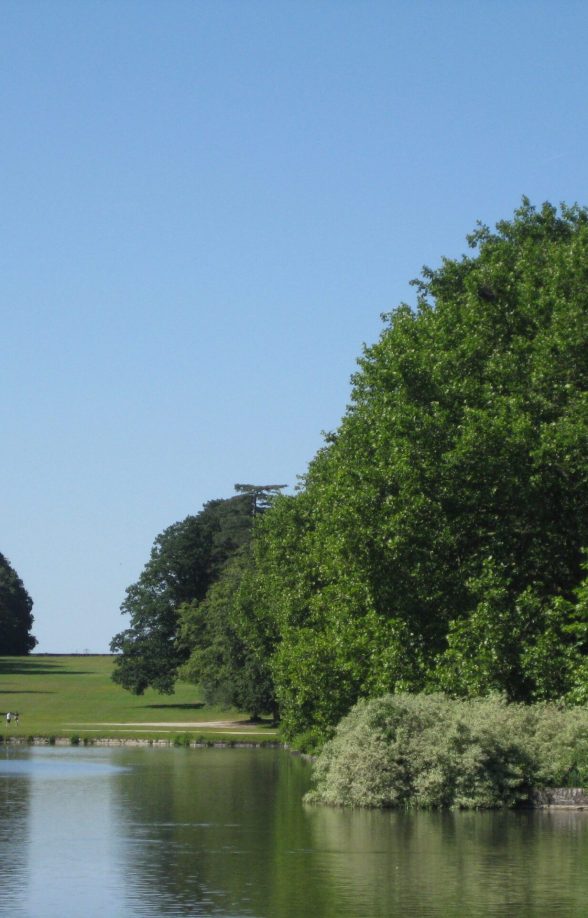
column 186, row 560
column 16, row 618
column 261, row 496
column 226, row 658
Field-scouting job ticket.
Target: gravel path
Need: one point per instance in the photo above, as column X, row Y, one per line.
column 229, row 725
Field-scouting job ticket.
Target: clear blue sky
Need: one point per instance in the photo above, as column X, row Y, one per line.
column 205, row 207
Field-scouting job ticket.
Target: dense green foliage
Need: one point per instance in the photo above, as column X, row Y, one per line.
column 225, row 658
column 437, row 542
column 16, row 618
column 186, row 559
column 429, row 751
column 183, row 611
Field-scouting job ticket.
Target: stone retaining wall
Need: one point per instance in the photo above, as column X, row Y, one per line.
column 576, row 797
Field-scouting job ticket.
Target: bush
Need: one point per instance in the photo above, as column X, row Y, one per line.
column 183, row 739
column 309, row 742
column 430, row 751
column 561, row 745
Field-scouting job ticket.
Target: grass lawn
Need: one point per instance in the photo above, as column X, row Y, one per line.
column 75, row 696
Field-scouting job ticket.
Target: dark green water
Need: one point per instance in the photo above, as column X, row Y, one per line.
column 170, row 832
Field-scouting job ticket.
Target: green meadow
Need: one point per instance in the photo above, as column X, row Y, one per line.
column 74, row 696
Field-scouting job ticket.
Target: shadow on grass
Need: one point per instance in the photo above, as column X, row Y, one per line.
column 175, row 707
column 28, row 666
column 24, row 692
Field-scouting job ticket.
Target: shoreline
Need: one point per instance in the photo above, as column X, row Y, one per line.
column 199, row 743
column 571, row 799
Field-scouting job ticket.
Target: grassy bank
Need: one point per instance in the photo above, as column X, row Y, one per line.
column 74, row 696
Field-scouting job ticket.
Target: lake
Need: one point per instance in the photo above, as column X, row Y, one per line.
column 223, row 832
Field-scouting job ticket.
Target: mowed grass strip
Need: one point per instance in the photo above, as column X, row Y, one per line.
column 64, row 696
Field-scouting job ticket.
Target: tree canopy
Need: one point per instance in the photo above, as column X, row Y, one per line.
column 16, row 618
column 167, row 622
column 437, row 541
column 226, row 658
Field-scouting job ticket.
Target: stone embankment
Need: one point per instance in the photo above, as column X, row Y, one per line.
column 561, row 798
column 135, row 741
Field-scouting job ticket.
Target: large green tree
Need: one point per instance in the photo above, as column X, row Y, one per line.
column 437, row 541
column 187, row 559
column 227, row 658
column 16, row 618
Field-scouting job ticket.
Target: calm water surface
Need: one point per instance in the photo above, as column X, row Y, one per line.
column 174, row 832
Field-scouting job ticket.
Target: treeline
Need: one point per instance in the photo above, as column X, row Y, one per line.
column 187, row 610
column 16, row 617
column 436, row 542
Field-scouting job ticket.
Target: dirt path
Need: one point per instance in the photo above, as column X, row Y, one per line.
column 221, row 725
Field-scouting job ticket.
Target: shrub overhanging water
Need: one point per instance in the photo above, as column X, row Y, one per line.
column 432, row 751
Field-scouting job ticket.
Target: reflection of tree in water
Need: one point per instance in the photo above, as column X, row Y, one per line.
column 392, row 863
column 14, row 835
column 224, row 832
column 216, row 831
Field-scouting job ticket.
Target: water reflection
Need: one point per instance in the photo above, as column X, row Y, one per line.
column 208, row 830
column 135, row 833
column 527, row 863
column 14, row 837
